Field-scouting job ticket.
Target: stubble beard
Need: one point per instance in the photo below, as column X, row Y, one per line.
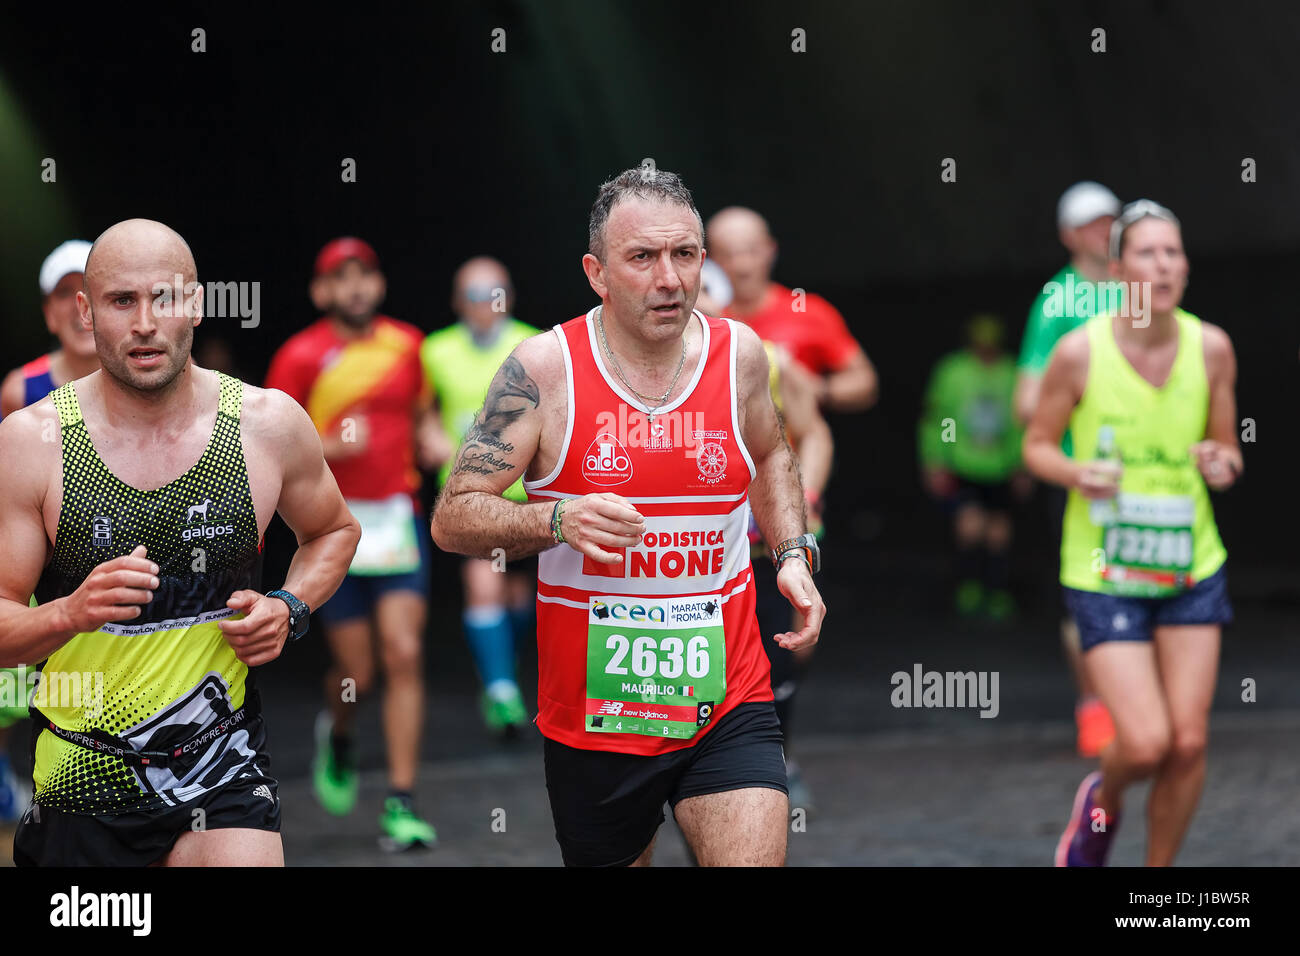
column 152, row 385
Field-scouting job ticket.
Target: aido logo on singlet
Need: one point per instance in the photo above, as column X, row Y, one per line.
column 606, row 461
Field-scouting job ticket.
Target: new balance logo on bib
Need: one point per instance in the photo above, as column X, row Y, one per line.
column 645, row 655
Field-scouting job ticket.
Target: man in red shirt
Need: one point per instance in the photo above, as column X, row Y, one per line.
column 645, row 431
column 806, row 325
column 358, row 374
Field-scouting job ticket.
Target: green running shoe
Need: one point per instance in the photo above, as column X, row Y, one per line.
column 1001, row 606
column 504, row 713
column 403, row 830
column 336, row 783
column 969, row 598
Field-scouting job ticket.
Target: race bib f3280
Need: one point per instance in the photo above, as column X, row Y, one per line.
column 1149, row 546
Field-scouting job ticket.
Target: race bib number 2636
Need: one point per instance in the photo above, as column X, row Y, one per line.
column 655, row 666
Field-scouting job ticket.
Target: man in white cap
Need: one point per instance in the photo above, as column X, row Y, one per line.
column 1083, row 215
column 60, row 280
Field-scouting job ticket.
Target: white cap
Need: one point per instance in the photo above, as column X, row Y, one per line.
column 1083, row 202
column 69, row 257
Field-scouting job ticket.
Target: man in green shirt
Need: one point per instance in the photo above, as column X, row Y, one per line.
column 1075, row 294
column 1072, row 296
column 459, row 363
column 969, row 445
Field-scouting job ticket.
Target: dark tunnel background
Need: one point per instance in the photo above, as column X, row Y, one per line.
column 461, row 150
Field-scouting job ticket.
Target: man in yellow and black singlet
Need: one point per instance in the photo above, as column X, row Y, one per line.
column 134, row 506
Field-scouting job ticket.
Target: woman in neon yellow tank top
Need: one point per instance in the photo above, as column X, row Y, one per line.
column 1149, row 399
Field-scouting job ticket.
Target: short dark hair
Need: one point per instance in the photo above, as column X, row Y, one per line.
column 640, row 182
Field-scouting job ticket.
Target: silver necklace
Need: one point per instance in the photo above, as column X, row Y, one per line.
column 651, row 409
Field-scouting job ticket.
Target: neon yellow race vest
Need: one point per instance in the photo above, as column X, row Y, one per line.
column 1157, row 537
column 169, row 674
column 459, row 372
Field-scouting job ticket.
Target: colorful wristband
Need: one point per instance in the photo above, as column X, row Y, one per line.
column 557, row 516
column 801, row 553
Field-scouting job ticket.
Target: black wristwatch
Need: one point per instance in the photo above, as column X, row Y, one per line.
column 299, row 613
column 804, row 546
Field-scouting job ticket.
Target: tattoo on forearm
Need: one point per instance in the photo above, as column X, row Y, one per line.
column 491, row 441
column 512, row 393
column 476, row 522
column 483, row 464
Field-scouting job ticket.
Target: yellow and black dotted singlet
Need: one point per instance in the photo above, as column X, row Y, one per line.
column 163, row 677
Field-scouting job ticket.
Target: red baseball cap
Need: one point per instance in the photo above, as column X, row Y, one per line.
column 341, row 250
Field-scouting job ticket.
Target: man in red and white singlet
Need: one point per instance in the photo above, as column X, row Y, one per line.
column 645, row 432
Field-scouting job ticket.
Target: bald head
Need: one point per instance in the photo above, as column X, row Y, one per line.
column 481, row 293
column 737, row 222
column 142, row 300
column 480, row 271
column 139, row 245
column 741, row 243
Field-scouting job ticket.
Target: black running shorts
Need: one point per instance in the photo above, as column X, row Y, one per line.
column 608, row 806
column 48, row 837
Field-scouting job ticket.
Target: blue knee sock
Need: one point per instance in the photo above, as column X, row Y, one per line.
column 488, row 631
column 522, row 621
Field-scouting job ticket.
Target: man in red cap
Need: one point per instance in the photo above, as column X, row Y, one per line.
column 358, row 374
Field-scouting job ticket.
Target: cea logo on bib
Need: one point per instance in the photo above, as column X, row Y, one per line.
column 606, row 461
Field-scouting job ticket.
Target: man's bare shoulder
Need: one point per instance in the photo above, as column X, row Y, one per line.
column 37, row 419
column 541, row 359
column 11, row 391
column 274, row 421
column 30, row 441
column 752, row 368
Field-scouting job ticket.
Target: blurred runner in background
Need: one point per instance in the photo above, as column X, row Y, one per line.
column 60, row 280
column 969, row 445
column 459, row 363
column 358, row 375
column 1083, row 216
column 806, row 325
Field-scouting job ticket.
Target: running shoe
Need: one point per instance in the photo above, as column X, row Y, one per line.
column 1081, row 844
column 403, row 830
column 1096, row 729
column 969, row 598
column 336, row 781
column 1000, row 606
column 504, row 711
